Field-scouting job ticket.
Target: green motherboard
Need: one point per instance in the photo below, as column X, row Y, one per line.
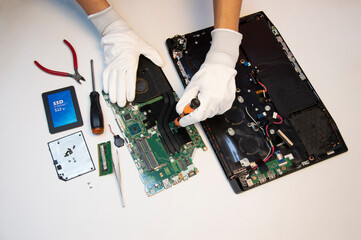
column 158, row 167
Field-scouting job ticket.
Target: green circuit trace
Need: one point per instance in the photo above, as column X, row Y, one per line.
column 158, row 169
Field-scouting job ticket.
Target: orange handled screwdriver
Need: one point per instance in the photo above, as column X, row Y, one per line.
column 96, row 115
column 195, row 103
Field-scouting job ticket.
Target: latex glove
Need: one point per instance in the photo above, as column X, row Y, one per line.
column 122, row 48
column 215, row 80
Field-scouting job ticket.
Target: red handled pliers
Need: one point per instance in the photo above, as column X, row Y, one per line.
column 76, row 74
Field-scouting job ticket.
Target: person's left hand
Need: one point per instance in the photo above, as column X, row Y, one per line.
column 214, row 83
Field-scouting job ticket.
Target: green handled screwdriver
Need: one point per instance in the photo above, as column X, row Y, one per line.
column 96, row 115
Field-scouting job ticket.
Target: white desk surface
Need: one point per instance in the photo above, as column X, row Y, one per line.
column 320, row 202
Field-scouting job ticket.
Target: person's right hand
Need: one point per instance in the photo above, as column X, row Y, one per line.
column 122, row 48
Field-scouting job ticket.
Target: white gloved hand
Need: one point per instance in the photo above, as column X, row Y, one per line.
column 215, row 80
column 122, row 48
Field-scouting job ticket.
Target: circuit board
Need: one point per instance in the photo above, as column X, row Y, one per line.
column 275, row 168
column 161, row 151
column 105, row 158
column 157, row 168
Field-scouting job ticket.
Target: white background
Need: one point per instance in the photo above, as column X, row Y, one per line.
column 320, row 202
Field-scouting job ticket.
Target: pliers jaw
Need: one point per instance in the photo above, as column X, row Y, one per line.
column 76, row 76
